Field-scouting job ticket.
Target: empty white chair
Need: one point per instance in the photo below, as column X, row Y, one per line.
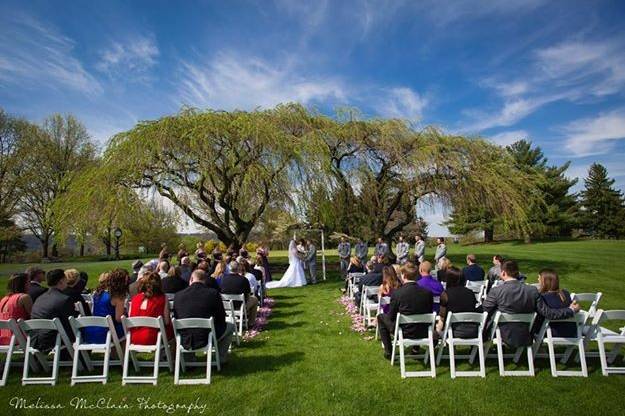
column 132, row 349
column 495, row 338
column 240, row 313
column 479, row 319
column 369, row 306
column 605, row 336
column 16, row 345
column 230, row 317
column 61, row 342
column 545, row 336
column 84, row 349
column 208, row 349
column 400, row 342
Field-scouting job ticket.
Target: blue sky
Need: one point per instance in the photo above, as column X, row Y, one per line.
column 550, row 71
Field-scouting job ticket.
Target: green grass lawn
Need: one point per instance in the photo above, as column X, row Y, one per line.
column 308, row 361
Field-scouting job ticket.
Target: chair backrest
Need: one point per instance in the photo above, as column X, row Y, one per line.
column 187, row 323
column 501, row 317
column 239, row 297
column 467, row 317
column 424, row 318
column 170, row 296
column 370, row 290
column 476, row 286
column 385, row 300
column 141, row 321
column 80, row 308
column 593, row 298
column 85, row 321
column 612, row 315
column 39, row 324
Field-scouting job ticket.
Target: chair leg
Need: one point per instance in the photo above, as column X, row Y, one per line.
column 125, row 366
column 552, row 358
column 432, row 359
column 452, row 359
column 7, row 363
column 177, row 364
column 582, row 359
column 602, row 357
column 55, row 363
column 480, row 351
column 209, row 359
column 157, row 359
column 107, row 363
column 402, row 362
column 74, row 367
column 530, row 361
column 500, row 355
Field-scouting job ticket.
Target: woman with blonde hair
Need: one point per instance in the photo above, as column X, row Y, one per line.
column 74, row 288
column 444, row 264
column 355, row 265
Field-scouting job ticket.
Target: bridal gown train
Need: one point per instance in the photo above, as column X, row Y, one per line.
column 294, row 275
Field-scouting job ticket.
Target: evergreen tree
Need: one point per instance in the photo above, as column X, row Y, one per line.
column 603, row 208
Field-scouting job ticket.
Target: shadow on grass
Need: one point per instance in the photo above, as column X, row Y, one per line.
column 281, row 313
column 262, row 363
column 274, row 325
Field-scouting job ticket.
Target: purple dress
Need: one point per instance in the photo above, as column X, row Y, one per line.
column 264, row 253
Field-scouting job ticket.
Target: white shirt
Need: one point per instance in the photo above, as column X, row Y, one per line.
column 253, row 282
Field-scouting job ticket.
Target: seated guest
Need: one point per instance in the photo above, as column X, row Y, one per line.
column 444, row 264
column 200, row 254
column 495, row 271
column 182, row 253
column 246, row 268
column 382, row 261
column 108, row 299
column 457, row 298
column 133, row 288
column 429, row 283
column 200, row 301
column 372, row 278
column 235, row 284
column 513, row 296
column 16, row 304
column 355, row 266
column 53, row 304
column 555, row 298
column 164, row 254
column 186, row 269
column 218, row 274
column 472, row 272
column 260, row 266
column 163, row 269
column 409, row 299
column 35, row 277
column 74, row 288
column 136, row 267
column 150, row 301
column 390, row 282
column 173, row 282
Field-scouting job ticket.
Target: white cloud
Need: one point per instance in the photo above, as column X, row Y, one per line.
column 592, row 136
column 513, row 110
column 400, row 102
column 444, row 13
column 506, row 138
column 35, row 55
column 229, row 81
column 133, row 57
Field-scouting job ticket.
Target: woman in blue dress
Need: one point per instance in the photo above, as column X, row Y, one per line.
column 108, row 299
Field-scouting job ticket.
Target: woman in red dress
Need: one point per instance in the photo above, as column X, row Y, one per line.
column 152, row 302
column 16, row 304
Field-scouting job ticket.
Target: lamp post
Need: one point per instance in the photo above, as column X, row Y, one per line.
column 117, row 234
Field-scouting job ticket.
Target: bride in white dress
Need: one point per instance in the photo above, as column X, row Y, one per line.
column 294, row 275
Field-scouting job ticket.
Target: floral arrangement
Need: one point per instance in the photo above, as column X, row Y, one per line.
column 352, row 310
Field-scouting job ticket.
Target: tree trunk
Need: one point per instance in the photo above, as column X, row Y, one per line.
column 82, row 249
column 489, row 235
column 44, row 246
column 55, row 250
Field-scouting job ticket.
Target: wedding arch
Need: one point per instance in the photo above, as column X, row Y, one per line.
column 321, row 239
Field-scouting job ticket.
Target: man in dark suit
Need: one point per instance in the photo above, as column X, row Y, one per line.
column 372, row 278
column 200, row 301
column 472, row 272
column 409, row 299
column 514, row 296
column 35, row 276
column 174, row 283
column 234, row 283
column 53, row 304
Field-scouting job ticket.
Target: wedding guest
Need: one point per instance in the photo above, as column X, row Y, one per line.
column 372, row 278
column 247, row 272
column 513, row 296
column 200, row 301
column 258, row 265
column 109, row 298
column 16, row 304
column 186, row 268
column 182, row 252
column 53, row 304
column 163, row 269
column 136, row 266
column 390, row 282
column 403, row 249
column 200, row 254
column 381, row 249
column 409, row 299
column 472, row 272
column 174, row 282
column 263, row 251
column 361, row 250
column 217, row 275
column 419, row 249
column 355, row 265
column 495, row 272
column 443, row 265
column 555, row 298
column 35, row 277
column 74, row 288
column 441, row 250
column 235, row 283
column 345, row 251
column 152, row 302
column 457, row 298
column 427, row 282
column 164, row 254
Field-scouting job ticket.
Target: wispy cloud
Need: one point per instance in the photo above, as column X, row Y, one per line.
column 506, row 138
column 593, row 136
column 132, row 57
column 400, row 102
column 36, row 55
column 228, row 81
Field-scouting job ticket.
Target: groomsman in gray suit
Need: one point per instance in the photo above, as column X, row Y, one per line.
column 419, row 249
column 403, row 249
column 361, row 251
column 311, row 261
column 441, row 250
column 381, row 248
column 345, row 250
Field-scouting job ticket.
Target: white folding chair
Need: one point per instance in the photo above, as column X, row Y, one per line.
column 383, row 301
column 479, row 319
column 352, row 283
column 132, row 349
column 88, row 297
column 230, row 317
column 208, row 349
column 84, row 349
column 495, row 338
column 16, row 345
column 478, row 288
column 606, row 336
column 80, row 308
column 400, row 342
column 61, row 342
column 545, row 336
column 368, row 305
column 240, row 313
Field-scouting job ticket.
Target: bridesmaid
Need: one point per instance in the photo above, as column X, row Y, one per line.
column 263, row 252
